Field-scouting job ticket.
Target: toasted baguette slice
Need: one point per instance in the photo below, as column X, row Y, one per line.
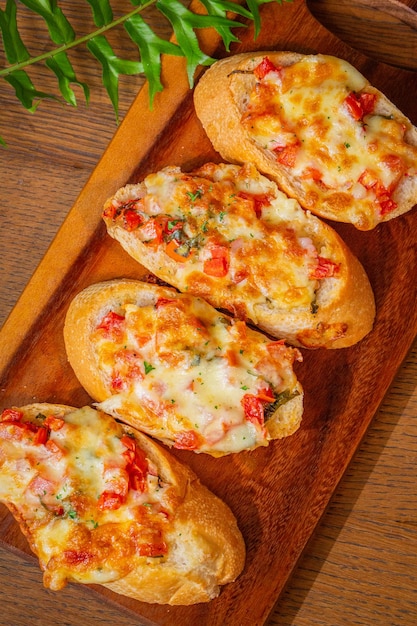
column 227, row 234
column 317, row 127
column 171, row 365
column 101, row 503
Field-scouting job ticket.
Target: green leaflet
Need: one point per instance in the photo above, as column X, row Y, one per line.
column 60, row 30
column 14, row 47
column 184, row 22
column 220, row 7
column 25, row 90
column 150, row 47
column 112, row 66
column 62, row 68
column 102, row 12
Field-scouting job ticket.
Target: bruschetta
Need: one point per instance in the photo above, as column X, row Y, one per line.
column 227, row 234
column 171, row 365
column 315, row 125
column 101, row 503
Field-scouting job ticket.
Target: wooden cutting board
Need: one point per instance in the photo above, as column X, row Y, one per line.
column 278, row 494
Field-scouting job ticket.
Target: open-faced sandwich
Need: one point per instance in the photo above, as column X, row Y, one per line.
column 227, row 234
column 316, row 126
column 101, row 503
column 172, row 366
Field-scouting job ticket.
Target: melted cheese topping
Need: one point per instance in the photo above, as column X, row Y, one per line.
column 62, row 490
column 237, row 240
column 200, row 378
column 304, row 106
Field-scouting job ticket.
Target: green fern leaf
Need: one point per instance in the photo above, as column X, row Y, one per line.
column 60, row 30
column 25, row 90
column 184, row 22
column 62, row 68
column 14, row 47
column 112, row 66
column 220, row 8
column 102, row 12
column 150, row 47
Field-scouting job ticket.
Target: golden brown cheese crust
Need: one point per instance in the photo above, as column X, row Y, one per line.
column 171, row 365
column 227, row 234
column 101, row 503
column 318, row 128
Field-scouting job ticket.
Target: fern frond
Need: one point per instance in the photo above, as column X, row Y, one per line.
column 184, row 23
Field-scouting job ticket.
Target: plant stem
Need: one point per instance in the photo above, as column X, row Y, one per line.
column 47, row 55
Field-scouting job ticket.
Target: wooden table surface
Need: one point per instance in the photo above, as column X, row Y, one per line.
column 360, row 566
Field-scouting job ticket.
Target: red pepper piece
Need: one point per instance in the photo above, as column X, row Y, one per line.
column 253, row 408
column 264, row 67
column 218, row 264
column 187, row 440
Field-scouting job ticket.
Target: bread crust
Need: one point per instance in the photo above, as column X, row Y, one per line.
column 89, row 307
column 206, row 547
column 346, row 307
column 220, row 98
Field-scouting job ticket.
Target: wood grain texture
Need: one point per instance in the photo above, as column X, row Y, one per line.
column 360, row 566
column 365, row 26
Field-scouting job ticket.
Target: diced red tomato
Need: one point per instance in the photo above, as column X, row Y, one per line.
column 253, row 409
column 132, row 219
column 368, row 179
column 110, row 501
column 118, row 383
column 218, row 264
column 187, row 440
column 110, row 212
column 367, row 101
column 313, row 173
column 264, row 67
column 259, row 201
column 137, row 481
column 137, row 465
column 54, row 422
column 41, row 435
column 11, row 415
column 386, row 206
column 383, row 196
column 216, row 267
column 394, row 163
column 266, row 395
column 359, row 106
column 287, row 155
column 324, row 269
column 128, row 442
column 112, row 325
column 22, row 431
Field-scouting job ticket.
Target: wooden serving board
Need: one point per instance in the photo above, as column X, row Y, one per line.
column 279, row 493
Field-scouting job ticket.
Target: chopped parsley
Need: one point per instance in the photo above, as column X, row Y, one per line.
column 148, row 367
column 195, row 196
